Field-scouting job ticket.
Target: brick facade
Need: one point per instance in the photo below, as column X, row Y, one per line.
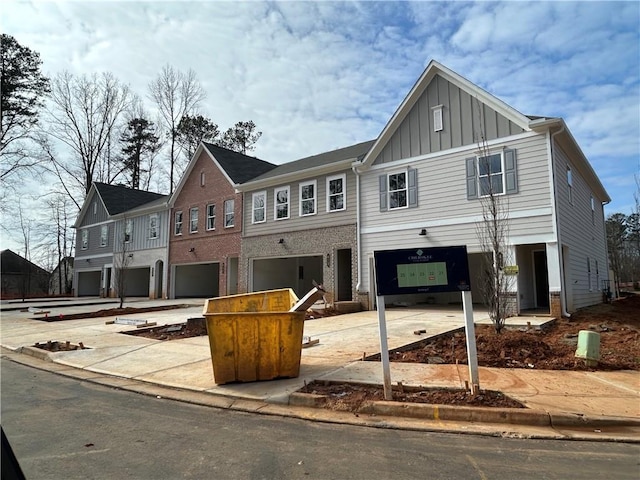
column 205, row 185
column 322, row 242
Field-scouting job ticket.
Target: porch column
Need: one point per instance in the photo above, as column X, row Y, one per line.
column 555, row 279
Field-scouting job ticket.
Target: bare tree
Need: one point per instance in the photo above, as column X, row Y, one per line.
column 121, row 261
column 58, row 226
column 493, row 234
column 83, row 116
column 176, row 94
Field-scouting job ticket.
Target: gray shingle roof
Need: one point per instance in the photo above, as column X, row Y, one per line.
column 356, row 151
column 239, row 167
column 118, row 198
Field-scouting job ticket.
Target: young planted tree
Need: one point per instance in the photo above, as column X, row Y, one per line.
column 122, row 258
column 242, row 137
column 176, row 94
column 496, row 284
column 194, row 129
column 23, row 89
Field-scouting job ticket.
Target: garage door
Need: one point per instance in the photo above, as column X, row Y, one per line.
column 297, row 273
column 197, row 281
column 137, row 282
column 88, row 284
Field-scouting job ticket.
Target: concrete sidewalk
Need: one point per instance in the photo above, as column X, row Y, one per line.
column 186, row 364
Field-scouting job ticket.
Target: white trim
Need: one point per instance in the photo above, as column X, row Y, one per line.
column 191, row 210
column 207, row 217
column 262, row 193
column 233, row 212
column 314, row 198
column 489, row 174
column 537, row 212
column 343, row 177
column 467, row 149
column 157, row 228
column 277, row 190
column 406, row 190
column 438, row 118
column 175, row 223
column 91, row 257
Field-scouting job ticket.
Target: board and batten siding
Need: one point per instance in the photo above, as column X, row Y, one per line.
column 464, row 118
column 91, row 218
column 140, row 236
column 94, row 247
column 322, row 219
column 583, row 236
column 444, row 210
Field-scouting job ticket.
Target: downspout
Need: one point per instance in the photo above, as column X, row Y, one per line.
column 563, row 297
column 359, row 258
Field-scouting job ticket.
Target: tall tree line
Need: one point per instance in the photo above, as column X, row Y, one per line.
column 80, row 129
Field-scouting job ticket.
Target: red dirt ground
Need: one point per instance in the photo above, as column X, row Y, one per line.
column 551, row 348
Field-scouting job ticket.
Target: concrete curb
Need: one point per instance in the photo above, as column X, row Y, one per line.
column 395, row 415
column 425, row 411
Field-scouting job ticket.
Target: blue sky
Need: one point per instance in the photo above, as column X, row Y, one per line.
column 315, row 76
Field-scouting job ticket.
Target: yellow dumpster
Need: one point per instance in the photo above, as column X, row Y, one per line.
column 253, row 336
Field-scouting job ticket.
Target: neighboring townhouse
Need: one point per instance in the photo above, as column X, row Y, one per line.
column 206, row 216
column 93, row 273
column 422, row 183
column 61, row 282
column 300, row 225
column 20, row 277
column 142, row 240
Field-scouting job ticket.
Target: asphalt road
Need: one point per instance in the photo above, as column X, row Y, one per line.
column 64, row 428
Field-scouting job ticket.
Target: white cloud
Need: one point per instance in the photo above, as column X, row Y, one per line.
column 320, row 75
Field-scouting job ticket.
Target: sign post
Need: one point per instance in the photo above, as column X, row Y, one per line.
column 424, row 270
column 384, row 350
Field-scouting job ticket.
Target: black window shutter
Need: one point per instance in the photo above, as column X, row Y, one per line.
column 412, row 175
column 511, row 171
column 472, row 178
column 383, row 192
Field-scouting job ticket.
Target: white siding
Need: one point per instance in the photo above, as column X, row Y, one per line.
column 584, row 238
column 322, row 219
column 443, row 208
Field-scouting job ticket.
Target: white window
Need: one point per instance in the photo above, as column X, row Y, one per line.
column 281, row 203
column 178, row 223
column 211, row 217
column 490, row 175
column 570, row 184
column 336, row 191
column 259, row 207
column 85, row 239
column 437, row 118
column 202, row 179
column 193, row 220
column 593, row 210
column 398, row 190
column 229, row 214
column 153, row 225
column 128, row 230
column 308, row 198
column 104, row 235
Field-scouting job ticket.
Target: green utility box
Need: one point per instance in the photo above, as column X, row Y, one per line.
column 588, row 347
